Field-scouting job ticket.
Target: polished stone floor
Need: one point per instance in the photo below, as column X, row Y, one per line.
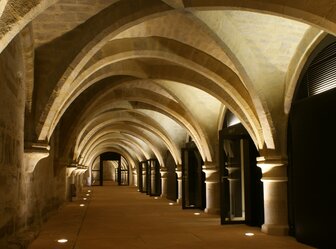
column 121, row 217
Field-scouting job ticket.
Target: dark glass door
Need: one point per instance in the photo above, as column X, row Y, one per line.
column 143, row 176
column 193, row 179
column 154, row 177
column 241, row 187
column 122, row 174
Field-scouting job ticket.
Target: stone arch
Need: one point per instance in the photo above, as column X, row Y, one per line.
column 240, row 102
column 132, row 117
column 123, row 140
column 105, row 128
column 307, row 46
column 116, row 148
column 165, row 105
column 137, row 133
column 98, row 30
column 104, row 149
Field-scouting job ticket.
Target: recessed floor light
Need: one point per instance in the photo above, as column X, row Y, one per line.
column 82, row 205
column 249, row 234
column 89, row 191
column 84, row 198
column 197, row 213
column 62, row 241
column 156, row 198
column 87, row 194
column 171, row 203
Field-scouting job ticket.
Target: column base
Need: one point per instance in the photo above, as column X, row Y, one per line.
column 212, row 211
column 275, row 229
column 179, row 201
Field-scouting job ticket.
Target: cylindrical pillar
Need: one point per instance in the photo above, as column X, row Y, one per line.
column 135, row 178
column 212, row 189
column 163, row 172
column 275, row 195
column 178, row 171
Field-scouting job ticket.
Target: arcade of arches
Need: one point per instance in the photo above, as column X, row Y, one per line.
column 171, row 94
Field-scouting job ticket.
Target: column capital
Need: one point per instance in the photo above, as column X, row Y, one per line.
column 33, row 153
column 163, row 172
column 211, row 172
column 274, row 169
column 178, row 171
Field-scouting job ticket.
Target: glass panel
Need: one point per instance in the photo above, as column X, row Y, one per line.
column 234, row 165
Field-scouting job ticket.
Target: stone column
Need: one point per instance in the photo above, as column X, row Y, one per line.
column 163, row 172
column 33, row 153
column 178, row 171
column 274, row 171
column 69, row 181
column 211, row 188
column 135, row 178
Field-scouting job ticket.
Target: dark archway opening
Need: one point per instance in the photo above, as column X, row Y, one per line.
column 111, row 167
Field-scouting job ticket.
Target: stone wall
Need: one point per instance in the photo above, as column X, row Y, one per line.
column 26, row 198
column 11, row 137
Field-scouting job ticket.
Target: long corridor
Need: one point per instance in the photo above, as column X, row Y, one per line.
column 120, row 217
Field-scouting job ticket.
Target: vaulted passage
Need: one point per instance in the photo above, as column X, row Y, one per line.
column 119, row 217
column 222, row 107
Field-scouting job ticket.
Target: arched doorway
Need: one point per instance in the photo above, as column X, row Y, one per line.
column 241, row 186
column 193, row 178
column 110, row 166
column 311, row 149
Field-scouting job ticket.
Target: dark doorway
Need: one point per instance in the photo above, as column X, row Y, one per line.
column 193, row 178
column 103, row 172
column 241, row 186
column 311, row 138
column 172, row 188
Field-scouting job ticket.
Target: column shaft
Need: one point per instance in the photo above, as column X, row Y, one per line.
column 275, row 195
column 212, row 189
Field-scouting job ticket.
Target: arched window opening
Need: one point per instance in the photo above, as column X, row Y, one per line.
column 319, row 73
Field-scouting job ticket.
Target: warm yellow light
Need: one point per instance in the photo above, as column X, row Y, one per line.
column 62, row 241
column 89, row 191
column 249, row 234
column 87, row 194
column 82, row 205
column 156, row 198
column 171, row 203
column 197, row 213
column 84, row 198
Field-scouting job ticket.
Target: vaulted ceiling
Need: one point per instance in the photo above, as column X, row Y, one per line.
column 139, row 77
